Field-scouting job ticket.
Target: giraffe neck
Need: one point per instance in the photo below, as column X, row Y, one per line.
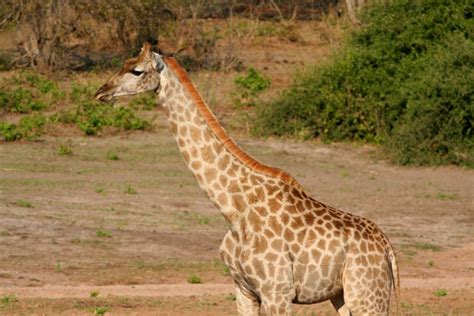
column 229, row 176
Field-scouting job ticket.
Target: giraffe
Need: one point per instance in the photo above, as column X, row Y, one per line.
column 282, row 246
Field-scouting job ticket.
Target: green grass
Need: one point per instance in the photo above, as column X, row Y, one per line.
column 94, row 294
column 130, row 190
column 101, row 310
column 8, row 299
column 58, row 267
column 30, row 127
column 194, row 279
column 426, row 246
column 440, row 293
column 175, row 265
column 24, row 203
column 64, row 150
column 103, row 233
column 111, row 155
column 447, row 196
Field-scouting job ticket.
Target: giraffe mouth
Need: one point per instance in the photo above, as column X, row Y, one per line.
column 103, row 95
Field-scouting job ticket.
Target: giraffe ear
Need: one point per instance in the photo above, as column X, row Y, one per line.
column 158, row 62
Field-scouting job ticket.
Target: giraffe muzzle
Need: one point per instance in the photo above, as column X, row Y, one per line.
column 103, row 94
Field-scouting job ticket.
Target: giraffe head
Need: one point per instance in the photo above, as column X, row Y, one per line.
column 139, row 74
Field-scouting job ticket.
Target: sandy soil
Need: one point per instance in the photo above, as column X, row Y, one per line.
column 71, row 227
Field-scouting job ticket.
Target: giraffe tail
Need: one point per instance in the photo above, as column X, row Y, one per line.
column 395, row 277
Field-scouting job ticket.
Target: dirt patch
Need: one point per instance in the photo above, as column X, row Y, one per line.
column 69, row 225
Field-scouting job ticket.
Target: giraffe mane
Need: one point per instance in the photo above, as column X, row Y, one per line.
column 219, row 131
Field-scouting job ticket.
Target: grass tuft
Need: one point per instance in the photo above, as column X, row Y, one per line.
column 194, row 279
column 24, row 203
column 130, row 190
column 9, row 299
column 440, row 293
column 64, row 150
column 103, row 233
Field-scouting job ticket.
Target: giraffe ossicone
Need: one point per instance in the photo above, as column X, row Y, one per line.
column 282, row 246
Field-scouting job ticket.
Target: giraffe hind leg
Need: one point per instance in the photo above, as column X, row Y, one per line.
column 340, row 306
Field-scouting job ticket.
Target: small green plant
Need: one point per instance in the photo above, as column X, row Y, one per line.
column 94, row 294
column 345, row 174
column 225, row 271
column 10, row 132
column 447, row 196
column 99, row 190
column 440, row 293
column 57, row 267
column 253, row 82
column 76, row 240
column 230, row 297
column 194, row 279
column 101, row 310
column 8, row 299
column 248, row 87
column 130, row 190
column 24, row 203
column 111, row 155
column 426, row 246
column 103, row 233
column 29, row 127
column 64, row 150
column 431, row 263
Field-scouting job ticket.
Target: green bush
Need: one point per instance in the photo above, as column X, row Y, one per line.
column 404, row 80
column 29, row 127
column 35, row 93
column 248, row 87
column 91, row 116
column 31, row 92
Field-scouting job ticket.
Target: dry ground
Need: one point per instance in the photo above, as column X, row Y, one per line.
column 83, row 232
column 137, row 228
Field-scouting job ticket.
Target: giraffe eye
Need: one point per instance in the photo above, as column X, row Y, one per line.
column 136, row 72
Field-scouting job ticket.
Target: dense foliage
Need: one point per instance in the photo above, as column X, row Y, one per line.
column 404, row 80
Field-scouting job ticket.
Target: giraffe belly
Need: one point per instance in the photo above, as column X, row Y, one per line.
column 315, row 292
column 317, row 281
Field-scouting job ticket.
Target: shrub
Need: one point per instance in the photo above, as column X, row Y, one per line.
column 403, row 81
column 91, row 116
column 29, row 127
column 249, row 86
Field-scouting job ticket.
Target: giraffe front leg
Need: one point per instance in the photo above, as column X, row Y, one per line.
column 277, row 299
column 247, row 303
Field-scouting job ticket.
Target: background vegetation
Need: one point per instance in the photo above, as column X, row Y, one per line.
column 403, row 80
